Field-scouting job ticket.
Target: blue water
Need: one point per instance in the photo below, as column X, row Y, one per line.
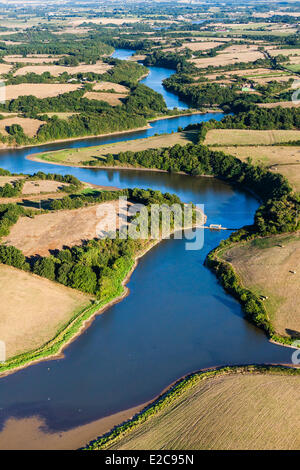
column 177, row 318
column 154, row 80
column 14, row 160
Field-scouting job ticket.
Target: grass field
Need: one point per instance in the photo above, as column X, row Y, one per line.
column 238, row 411
column 78, row 156
column 55, row 230
column 33, row 309
column 266, row 267
column 249, row 137
column 285, row 160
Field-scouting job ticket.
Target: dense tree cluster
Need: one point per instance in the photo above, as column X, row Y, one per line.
column 171, row 60
column 94, row 116
column 96, row 267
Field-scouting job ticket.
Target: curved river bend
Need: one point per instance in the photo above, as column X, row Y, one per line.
column 177, row 318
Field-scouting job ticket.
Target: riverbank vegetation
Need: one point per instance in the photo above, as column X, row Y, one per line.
column 179, row 419
column 37, row 325
column 97, row 267
column 280, row 204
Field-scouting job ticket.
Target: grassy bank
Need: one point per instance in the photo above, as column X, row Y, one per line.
column 72, row 329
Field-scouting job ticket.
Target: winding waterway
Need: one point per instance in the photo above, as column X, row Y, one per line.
column 177, row 318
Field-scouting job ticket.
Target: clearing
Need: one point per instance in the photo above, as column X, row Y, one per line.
column 33, row 309
column 250, row 137
column 234, row 411
column 271, row 267
column 53, row 231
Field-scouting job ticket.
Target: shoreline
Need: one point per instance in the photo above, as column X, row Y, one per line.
column 128, row 131
column 84, row 323
column 176, row 389
column 37, row 437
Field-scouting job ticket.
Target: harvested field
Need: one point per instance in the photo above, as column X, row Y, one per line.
column 195, row 46
column 295, row 60
column 265, row 266
column 77, row 156
column 114, row 99
column 40, row 90
column 201, row 46
column 285, row 160
column 57, row 70
column 249, row 73
column 239, row 49
column 5, row 68
column 285, row 52
column 282, row 104
column 110, row 86
column 30, row 126
column 31, row 60
column 294, row 67
column 42, row 186
column 227, row 59
column 61, row 115
column 249, row 137
column 34, row 309
column 53, row 231
column 9, row 179
column 111, row 20
column 234, row 411
column 137, row 57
